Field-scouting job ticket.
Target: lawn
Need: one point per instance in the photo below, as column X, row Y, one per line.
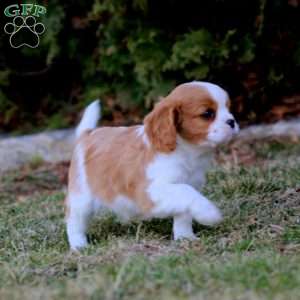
column 253, row 254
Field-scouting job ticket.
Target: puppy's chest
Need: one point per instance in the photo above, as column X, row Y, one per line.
column 179, row 169
column 195, row 174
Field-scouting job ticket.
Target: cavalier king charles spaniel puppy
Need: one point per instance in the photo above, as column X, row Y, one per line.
column 153, row 170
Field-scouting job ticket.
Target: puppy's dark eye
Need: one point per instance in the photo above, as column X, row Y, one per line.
column 208, row 114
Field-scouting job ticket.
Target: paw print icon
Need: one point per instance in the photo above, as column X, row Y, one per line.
column 24, row 31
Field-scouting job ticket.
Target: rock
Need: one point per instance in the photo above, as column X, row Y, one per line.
column 289, row 128
column 56, row 146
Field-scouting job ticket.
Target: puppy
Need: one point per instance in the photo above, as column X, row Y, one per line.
column 154, row 170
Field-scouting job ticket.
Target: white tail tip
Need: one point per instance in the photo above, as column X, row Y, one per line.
column 90, row 118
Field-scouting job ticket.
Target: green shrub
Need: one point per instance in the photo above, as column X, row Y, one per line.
column 135, row 52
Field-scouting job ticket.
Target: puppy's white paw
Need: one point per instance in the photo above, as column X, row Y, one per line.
column 78, row 242
column 209, row 215
column 187, row 236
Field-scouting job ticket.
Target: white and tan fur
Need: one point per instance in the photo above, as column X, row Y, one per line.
column 154, row 170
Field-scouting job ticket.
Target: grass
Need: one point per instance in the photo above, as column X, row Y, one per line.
column 253, row 254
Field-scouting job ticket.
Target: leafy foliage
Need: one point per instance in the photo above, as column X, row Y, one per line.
column 136, row 52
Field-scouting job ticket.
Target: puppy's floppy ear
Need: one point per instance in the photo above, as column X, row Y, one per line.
column 160, row 126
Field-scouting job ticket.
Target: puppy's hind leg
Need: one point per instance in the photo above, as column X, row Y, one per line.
column 79, row 212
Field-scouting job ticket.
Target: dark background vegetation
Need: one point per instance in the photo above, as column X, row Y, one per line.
column 130, row 53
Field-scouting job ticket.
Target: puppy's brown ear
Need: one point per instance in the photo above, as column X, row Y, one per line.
column 160, row 126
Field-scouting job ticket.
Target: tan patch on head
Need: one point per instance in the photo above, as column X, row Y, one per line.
column 182, row 112
column 115, row 162
column 194, row 125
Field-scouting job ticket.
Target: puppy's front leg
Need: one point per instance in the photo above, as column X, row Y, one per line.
column 182, row 201
column 182, row 227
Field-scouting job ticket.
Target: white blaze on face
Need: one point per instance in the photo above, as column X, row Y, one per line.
column 219, row 130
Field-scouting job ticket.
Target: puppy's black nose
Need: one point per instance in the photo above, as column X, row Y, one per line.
column 231, row 123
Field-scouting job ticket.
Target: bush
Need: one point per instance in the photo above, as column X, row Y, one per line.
column 131, row 53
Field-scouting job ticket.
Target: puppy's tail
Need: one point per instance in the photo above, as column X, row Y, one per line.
column 90, row 118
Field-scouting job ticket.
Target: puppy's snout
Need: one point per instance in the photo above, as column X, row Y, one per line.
column 231, row 123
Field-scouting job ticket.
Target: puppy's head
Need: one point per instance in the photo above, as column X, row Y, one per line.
column 198, row 112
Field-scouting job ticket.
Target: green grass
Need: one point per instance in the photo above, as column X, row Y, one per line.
column 253, row 254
